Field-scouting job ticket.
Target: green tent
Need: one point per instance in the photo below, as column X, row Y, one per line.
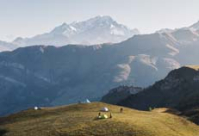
column 104, row 116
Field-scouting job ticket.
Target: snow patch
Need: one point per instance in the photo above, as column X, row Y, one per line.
column 73, row 28
column 174, row 50
column 112, row 26
column 42, row 78
column 117, row 32
column 41, row 49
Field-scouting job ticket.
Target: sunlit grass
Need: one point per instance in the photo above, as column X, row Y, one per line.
column 80, row 120
column 196, row 67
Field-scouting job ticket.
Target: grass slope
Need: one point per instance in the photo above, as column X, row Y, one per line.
column 79, row 120
column 196, row 67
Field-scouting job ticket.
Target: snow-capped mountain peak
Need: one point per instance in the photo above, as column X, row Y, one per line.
column 97, row 30
column 64, row 29
column 99, row 20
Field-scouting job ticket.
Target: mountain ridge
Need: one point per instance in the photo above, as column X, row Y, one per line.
column 177, row 90
column 97, row 30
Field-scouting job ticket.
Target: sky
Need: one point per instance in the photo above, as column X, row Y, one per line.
column 26, row 18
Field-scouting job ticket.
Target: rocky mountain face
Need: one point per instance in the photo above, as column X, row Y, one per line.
column 98, row 30
column 120, row 93
column 178, row 90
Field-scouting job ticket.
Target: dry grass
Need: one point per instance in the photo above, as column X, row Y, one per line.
column 196, row 67
column 79, row 120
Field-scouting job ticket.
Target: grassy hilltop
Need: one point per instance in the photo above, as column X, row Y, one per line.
column 79, row 120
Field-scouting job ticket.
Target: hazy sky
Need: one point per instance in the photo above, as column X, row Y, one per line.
column 30, row 17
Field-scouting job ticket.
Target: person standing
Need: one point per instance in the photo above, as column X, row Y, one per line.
column 110, row 115
column 121, row 110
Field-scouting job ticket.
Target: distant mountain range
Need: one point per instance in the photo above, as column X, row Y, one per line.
column 97, row 30
column 49, row 75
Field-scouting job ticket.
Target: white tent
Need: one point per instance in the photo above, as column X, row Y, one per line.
column 87, row 101
column 105, row 109
column 36, row 108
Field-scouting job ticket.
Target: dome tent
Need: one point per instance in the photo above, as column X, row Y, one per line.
column 87, row 101
column 84, row 102
column 37, row 108
column 105, row 109
column 104, row 116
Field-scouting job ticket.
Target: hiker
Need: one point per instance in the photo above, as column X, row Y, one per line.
column 121, row 110
column 111, row 115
